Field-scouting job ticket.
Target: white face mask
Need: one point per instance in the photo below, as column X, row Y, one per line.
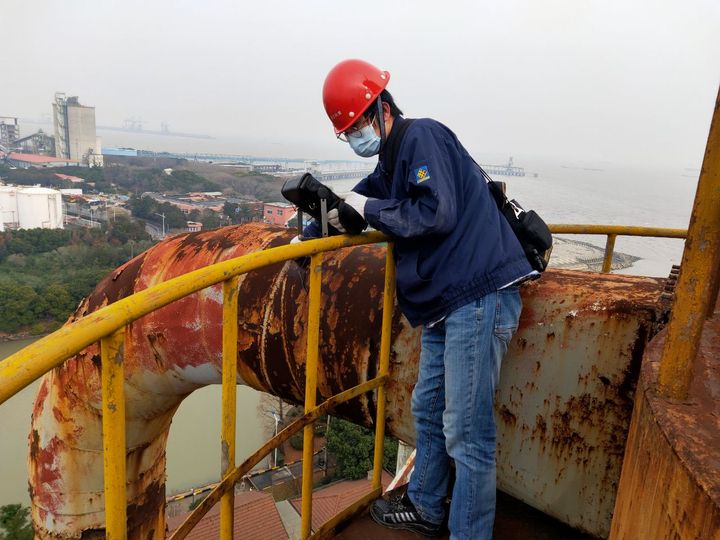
column 366, row 143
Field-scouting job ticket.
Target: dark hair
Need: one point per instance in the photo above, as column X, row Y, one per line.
column 386, row 97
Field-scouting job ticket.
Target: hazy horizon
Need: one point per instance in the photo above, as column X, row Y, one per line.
column 630, row 83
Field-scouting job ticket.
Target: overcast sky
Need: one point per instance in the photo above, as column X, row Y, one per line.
column 620, row 81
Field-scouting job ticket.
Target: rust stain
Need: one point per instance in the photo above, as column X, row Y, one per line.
column 144, row 514
column 506, row 416
column 179, row 347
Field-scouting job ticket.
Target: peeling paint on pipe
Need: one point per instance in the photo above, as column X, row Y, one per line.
column 175, row 350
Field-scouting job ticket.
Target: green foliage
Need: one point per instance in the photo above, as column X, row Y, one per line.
column 31, row 241
column 122, row 230
column 135, row 179
column 196, row 502
column 148, row 208
column 296, row 440
column 19, row 306
column 185, row 181
column 15, row 522
column 353, row 447
column 34, row 176
column 243, row 212
column 42, row 279
column 211, row 220
column 142, row 179
column 58, row 302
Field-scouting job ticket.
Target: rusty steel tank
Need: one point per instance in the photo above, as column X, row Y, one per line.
column 563, row 404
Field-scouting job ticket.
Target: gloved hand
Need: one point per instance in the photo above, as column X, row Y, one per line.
column 355, row 200
column 334, row 220
column 302, row 262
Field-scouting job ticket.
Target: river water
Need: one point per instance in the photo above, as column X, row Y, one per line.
column 605, row 193
column 562, row 193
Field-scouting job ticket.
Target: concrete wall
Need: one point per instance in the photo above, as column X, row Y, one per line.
column 81, row 130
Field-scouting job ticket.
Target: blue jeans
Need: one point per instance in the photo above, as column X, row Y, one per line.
column 453, row 408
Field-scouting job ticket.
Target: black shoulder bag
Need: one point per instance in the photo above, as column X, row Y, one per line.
column 532, row 232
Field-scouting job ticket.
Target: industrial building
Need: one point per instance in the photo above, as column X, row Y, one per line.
column 9, row 131
column 75, row 135
column 30, row 208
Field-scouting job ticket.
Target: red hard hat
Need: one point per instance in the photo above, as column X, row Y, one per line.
column 349, row 89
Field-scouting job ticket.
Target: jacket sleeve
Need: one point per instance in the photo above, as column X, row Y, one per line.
column 430, row 204
column 312, row 230
column 371, row 185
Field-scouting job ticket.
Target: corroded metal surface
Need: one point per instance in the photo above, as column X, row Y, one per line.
column 565, row 392
column 670, row 484
column 699, row 277
column 177, row 349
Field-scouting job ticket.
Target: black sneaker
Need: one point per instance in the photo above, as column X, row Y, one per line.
column 400, row 513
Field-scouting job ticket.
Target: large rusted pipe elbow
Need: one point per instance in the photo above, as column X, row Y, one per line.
column 177, row 349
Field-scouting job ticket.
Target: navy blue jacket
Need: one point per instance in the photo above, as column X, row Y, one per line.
column 452, row 245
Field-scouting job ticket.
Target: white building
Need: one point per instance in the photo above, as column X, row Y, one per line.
column 75, row 136
column 30, row 208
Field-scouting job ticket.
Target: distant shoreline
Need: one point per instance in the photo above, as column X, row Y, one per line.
column 20, row 336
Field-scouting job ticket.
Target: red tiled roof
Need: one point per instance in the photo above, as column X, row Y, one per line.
column 34, row 158
column 256, row 518
column 328, row 501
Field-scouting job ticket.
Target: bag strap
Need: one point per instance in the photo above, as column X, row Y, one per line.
column 498, row 193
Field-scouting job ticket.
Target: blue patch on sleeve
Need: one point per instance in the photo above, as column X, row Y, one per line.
column 421, row 174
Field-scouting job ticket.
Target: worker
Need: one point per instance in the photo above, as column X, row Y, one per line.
column 458, row 269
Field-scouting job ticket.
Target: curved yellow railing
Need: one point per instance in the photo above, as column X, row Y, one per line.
column 27, row 365
column 613, row 231
column 107, row 325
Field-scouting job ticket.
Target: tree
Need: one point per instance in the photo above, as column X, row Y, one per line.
column 19, row 306
column 353, row 447
column 15, row 522
column 211, row 220
column 58, row 302
column 122, row 230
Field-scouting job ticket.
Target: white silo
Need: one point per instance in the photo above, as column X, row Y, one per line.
column 39, row 208
column 8, row 207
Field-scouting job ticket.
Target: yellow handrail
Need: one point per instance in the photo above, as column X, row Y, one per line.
column 25, row 366
column 699, row 278
column 388, row 296
column 229, row 400
column 20, row 369
column 234, row 476
column 107, row 325
column 612, row 232
column 311, row 365
column 113, row 428
column 312, row 413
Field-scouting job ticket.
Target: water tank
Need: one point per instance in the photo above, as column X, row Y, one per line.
column 39, row 208
column 8, row 207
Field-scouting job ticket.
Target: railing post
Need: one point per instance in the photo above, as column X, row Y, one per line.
column 311, row 368
column 695, row 282
column 609, row 249
column 385, row 341
column 229, row 400
column 113, row 429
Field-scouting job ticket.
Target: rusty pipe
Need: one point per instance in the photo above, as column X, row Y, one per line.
column 178, row 348
column 565, row 394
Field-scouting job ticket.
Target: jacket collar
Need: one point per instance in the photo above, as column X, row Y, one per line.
column 392, row 145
